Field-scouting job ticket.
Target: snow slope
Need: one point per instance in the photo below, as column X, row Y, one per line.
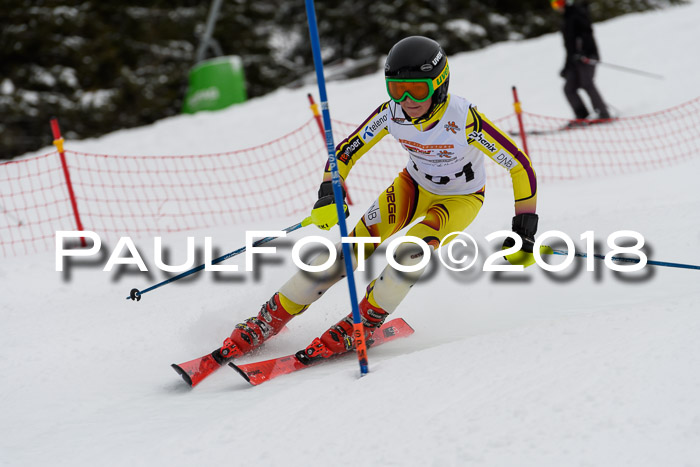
column 528, row 369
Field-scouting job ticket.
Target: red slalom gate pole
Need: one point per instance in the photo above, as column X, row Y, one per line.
column 519, row 114
column 317, row 115
column 319, row 121
column 58, row 142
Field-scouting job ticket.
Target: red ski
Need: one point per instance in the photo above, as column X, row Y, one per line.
column 259, row 372
column 194, row 371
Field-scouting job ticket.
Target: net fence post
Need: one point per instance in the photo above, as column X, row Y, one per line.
column 58, row 142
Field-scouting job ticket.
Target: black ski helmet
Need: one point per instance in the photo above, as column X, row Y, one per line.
column 419, row 57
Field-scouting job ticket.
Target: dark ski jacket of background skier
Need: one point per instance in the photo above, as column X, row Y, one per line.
column 578, row 34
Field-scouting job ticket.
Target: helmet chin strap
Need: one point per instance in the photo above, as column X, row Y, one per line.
column 432, row 110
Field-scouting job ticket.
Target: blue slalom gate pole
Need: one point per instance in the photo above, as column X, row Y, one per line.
column 358, row 333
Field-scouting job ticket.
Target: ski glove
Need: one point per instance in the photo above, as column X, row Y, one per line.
column 324, row 214
column 525, row 225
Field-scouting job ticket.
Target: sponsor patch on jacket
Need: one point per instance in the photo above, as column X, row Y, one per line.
column 373, row 214
column 481, row 139
column 452, row 126
column 373, row 127
column 351, row 148
column 412, row 144
column 506, row 160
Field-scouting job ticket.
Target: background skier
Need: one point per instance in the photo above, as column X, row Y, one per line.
column 580, row 45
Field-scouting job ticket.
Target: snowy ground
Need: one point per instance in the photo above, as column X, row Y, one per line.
column 529, row 369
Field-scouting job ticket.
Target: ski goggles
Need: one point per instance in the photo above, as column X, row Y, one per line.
column 419, row 90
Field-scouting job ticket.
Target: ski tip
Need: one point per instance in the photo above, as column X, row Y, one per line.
column 408, row 325
column 240, row 372
column 399, row 322
column 182, row 373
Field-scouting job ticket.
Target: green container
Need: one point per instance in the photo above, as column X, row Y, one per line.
column 215, row 84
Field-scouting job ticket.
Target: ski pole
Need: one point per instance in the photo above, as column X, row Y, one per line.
column 593, row 61
column 550, row 250
column 135, row 293
column 358, row 328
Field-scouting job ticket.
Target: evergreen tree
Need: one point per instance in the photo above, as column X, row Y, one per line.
column 103, row 66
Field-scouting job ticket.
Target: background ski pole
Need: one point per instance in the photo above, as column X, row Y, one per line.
column 550, row 250
column 593, row 61
column 135, row 294
column 358, row 332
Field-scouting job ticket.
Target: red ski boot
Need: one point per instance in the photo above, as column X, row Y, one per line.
column 251, row 333
column 246, row 337
column 338, row 339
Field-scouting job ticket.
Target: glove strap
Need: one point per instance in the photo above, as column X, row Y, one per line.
column 525, row 224
column 326, row 189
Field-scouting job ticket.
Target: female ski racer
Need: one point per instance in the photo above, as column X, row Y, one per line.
column 447, row 140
